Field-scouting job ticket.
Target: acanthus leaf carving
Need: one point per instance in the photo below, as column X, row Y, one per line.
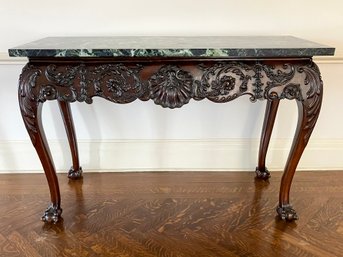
column 117, row 82
column 28, row 101
column 291, row 91
column 312, row 99
column 281, row 77
column 171, row 85
column 63, row 78
column 61, row 83
column 223, row 82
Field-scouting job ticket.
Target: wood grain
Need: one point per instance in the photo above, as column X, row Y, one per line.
column 172, row 214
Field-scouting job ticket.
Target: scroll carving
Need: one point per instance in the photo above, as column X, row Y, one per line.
column 223, row 82
column 170, row 85
column 117, row 83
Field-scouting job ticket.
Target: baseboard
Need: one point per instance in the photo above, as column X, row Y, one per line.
column 171, row 155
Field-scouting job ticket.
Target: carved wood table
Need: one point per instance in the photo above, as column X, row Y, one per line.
column 170, row 71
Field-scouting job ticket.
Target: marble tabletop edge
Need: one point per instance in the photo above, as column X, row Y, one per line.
column 170, row 46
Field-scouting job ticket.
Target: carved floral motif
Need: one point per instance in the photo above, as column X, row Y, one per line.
column 223, row 82
column 171, row 85
column 117, row 82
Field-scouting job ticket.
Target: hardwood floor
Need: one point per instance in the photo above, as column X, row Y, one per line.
column 172, row 214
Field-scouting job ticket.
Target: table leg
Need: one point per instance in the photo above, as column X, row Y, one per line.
column 31, row 111
column 268, row 124
column 308, row 110
column 32, row 116
column 75, row 171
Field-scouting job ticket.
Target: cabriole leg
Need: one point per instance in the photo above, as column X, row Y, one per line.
column 268, row 124
column 31, row 111
column 308, row 110
column 39, row 141
column 75, row 171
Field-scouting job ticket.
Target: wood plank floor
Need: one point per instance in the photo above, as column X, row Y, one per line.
column 172, row 214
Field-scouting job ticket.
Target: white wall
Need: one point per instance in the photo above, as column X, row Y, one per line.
column 143, row 136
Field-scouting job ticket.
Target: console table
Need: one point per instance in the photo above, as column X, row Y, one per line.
column 170, row 71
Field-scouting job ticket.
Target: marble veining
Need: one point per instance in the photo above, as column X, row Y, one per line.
column 197, row 47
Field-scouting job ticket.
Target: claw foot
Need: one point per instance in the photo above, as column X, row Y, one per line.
column 75, row 174
column 262, row 173
column 52, row 214
column 287, row 213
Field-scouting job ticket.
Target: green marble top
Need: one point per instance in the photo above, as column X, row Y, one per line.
column 197, row 47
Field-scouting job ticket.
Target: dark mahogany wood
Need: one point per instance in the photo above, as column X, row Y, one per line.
column 308, row 114
column 38, row 138
column 170, row 83
column 268, row 124
column 75, row 171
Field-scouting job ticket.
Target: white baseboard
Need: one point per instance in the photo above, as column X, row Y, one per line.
column 171, row 155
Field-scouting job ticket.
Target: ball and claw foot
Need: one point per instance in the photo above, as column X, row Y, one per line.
column 52, row 214
column 262, row 173
column 75, row 174
column 287, row 213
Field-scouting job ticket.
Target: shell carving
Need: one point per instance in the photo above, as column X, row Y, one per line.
column 171, row 87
